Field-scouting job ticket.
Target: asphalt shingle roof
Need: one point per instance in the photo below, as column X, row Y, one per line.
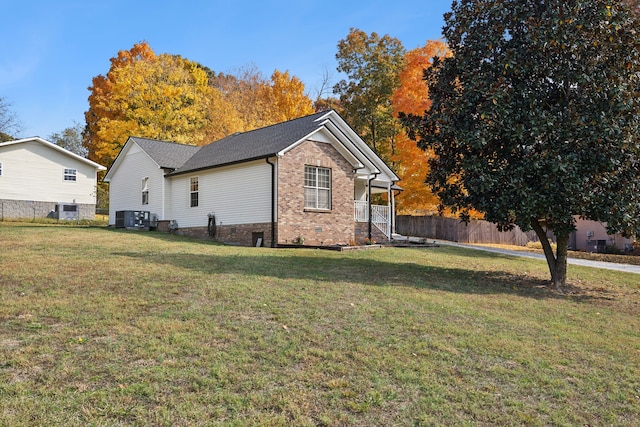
column 168, row 155
column 255, row 144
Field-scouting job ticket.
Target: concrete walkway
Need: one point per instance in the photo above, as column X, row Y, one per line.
column 629, row 268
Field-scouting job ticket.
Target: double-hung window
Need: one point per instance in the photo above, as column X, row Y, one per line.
column 145, row 191
column 70, row 174
column 317, row 187
column 193, row 190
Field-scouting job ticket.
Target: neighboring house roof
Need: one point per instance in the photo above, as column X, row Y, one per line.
column 54, row 147
column 168, row 155
column 255, row 144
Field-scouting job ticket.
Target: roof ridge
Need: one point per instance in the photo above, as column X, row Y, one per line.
column 162, row 140
column 254, row 144
column 277, row 124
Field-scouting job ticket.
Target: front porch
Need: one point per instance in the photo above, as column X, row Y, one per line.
column 379, row 219
column 381, row 216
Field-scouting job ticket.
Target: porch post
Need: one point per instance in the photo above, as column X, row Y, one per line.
column 369, row 208
column 371, row 178
column 392, row 210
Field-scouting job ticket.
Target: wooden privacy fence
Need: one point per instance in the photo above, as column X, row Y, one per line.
column 452, row 229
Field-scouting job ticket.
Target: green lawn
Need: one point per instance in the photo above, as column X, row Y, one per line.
column 108, row 327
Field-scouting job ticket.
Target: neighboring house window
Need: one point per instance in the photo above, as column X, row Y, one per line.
column 145, row 191
column 70, row 174
column 193, row 185
column 317, row 187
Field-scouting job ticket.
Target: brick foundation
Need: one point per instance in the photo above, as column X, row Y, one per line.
column 239, row 234
column 362, row 233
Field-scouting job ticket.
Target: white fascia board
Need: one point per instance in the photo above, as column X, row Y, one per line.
column 362, row 146
column 339, row 136
column 337, row 144
column 371, row 161
column 116, row 163
column 122, row 155
column 120, row 158
column 56, row 147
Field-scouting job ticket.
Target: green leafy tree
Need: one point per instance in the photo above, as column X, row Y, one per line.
column 70, row 139
column 534, row 119
column 372, row 64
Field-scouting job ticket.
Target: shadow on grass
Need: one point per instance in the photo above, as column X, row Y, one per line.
column 364, row 271
column 373, row 271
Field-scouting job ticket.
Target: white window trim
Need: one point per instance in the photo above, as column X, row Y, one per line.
column 317, row 188
column 70, row 173
column 196, row 192
column 145, row 190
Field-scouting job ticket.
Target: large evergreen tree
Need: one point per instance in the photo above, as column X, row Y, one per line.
column 534, row 119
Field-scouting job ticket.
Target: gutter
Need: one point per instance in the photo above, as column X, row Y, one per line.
column 273, row 203
column 235, row 162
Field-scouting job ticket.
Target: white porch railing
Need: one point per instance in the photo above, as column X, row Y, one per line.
column 380, row 215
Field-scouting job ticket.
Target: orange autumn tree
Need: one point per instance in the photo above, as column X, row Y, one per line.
column 411, row 162
column 143, row 94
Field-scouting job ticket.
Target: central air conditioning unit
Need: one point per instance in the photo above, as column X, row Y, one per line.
column 67, row 211
column 135, row 220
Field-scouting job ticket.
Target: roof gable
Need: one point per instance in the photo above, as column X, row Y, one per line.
column 165, row 154
column 168, row 155
column 56, row 147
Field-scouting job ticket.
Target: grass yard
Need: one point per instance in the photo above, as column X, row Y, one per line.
column 109, row 327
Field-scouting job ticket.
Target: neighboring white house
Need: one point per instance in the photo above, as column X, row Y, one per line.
column 39, row 178
column 307, row 179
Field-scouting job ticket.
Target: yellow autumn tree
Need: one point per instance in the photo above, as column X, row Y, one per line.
column 225, row 119
column 143, row 94
column 244, row 91
column 257, row 102
column 286, row 97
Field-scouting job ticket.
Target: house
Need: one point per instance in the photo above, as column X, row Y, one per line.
column 592, row 236
column 305, row 180
column 40, row 179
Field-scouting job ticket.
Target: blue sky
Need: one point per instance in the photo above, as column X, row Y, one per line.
column 52, row 49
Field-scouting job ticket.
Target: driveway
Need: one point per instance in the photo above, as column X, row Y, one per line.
column 629, row 268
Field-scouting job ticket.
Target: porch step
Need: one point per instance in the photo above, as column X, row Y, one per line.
column 408, row 239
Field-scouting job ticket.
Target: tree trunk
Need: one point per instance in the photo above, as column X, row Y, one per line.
column 557, row 263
